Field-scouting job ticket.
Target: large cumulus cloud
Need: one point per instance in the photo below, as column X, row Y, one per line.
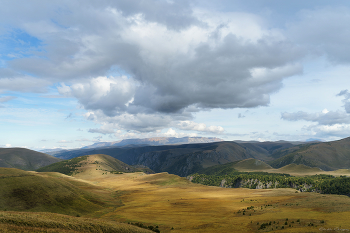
column 146, row 65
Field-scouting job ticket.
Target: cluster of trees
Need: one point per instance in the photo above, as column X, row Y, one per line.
column 339, row 185
column 318, row 183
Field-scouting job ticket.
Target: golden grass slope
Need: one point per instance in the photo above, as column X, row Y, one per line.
column 31, row 191
column 176, row 205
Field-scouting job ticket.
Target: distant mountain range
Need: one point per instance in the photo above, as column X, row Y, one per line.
column 188, row 158
column 327, row 155
column 156, row 141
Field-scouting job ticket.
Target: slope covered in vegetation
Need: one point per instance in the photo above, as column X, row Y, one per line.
column 25, row 159
column 30, row 191
column 100, row 162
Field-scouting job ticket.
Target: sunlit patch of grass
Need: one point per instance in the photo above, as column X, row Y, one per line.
column 176, row 206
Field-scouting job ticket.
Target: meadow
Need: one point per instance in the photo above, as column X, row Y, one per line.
column 168, row 203
column 176, row 205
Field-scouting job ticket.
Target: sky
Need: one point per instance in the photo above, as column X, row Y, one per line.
column 73, row 73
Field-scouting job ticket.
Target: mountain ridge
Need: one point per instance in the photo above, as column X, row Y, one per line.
column 187, row 158
column 25, row 159
column 155, row 141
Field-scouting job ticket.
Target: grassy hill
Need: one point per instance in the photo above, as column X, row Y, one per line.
column 252, row 165
column 53, row 202
column 257, row 166
column 327, row 156
column 92, row 163
column 24, row 159
column 236, row 167
column 36, row 192
column 299, row 169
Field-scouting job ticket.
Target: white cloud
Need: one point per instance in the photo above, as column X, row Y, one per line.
column 323, row 118
column 103, row 130
column 329, row 132
column 111, row 95
column 190, row 125
column 173, row 59
column 83, row 140
column 330, row 124
column 325, row 111
column 168, row 133
column 64, row 141
column 141, row 67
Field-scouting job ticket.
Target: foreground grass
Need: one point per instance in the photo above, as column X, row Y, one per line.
column 49, row 222
column 179, row 206
column 170, row 202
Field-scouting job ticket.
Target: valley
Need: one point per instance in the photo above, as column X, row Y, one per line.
column 172, row 203
column 97, row 192
column 186, row 159
column 179, row 206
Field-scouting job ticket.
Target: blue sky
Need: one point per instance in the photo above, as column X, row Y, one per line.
column 75, row 73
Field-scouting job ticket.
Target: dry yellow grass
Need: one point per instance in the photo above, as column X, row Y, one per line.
column 176, row 205
column 50, row 222
column 172, row 202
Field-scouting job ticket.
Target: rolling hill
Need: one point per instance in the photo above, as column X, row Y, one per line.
column 327, row 155
column 97, row 163
column 254, row 165
column 39, row 192
column 299, row 169
column 246, row 165
column 251, row 165
column 25, row 159
column 52, row 202
column 188, row 158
